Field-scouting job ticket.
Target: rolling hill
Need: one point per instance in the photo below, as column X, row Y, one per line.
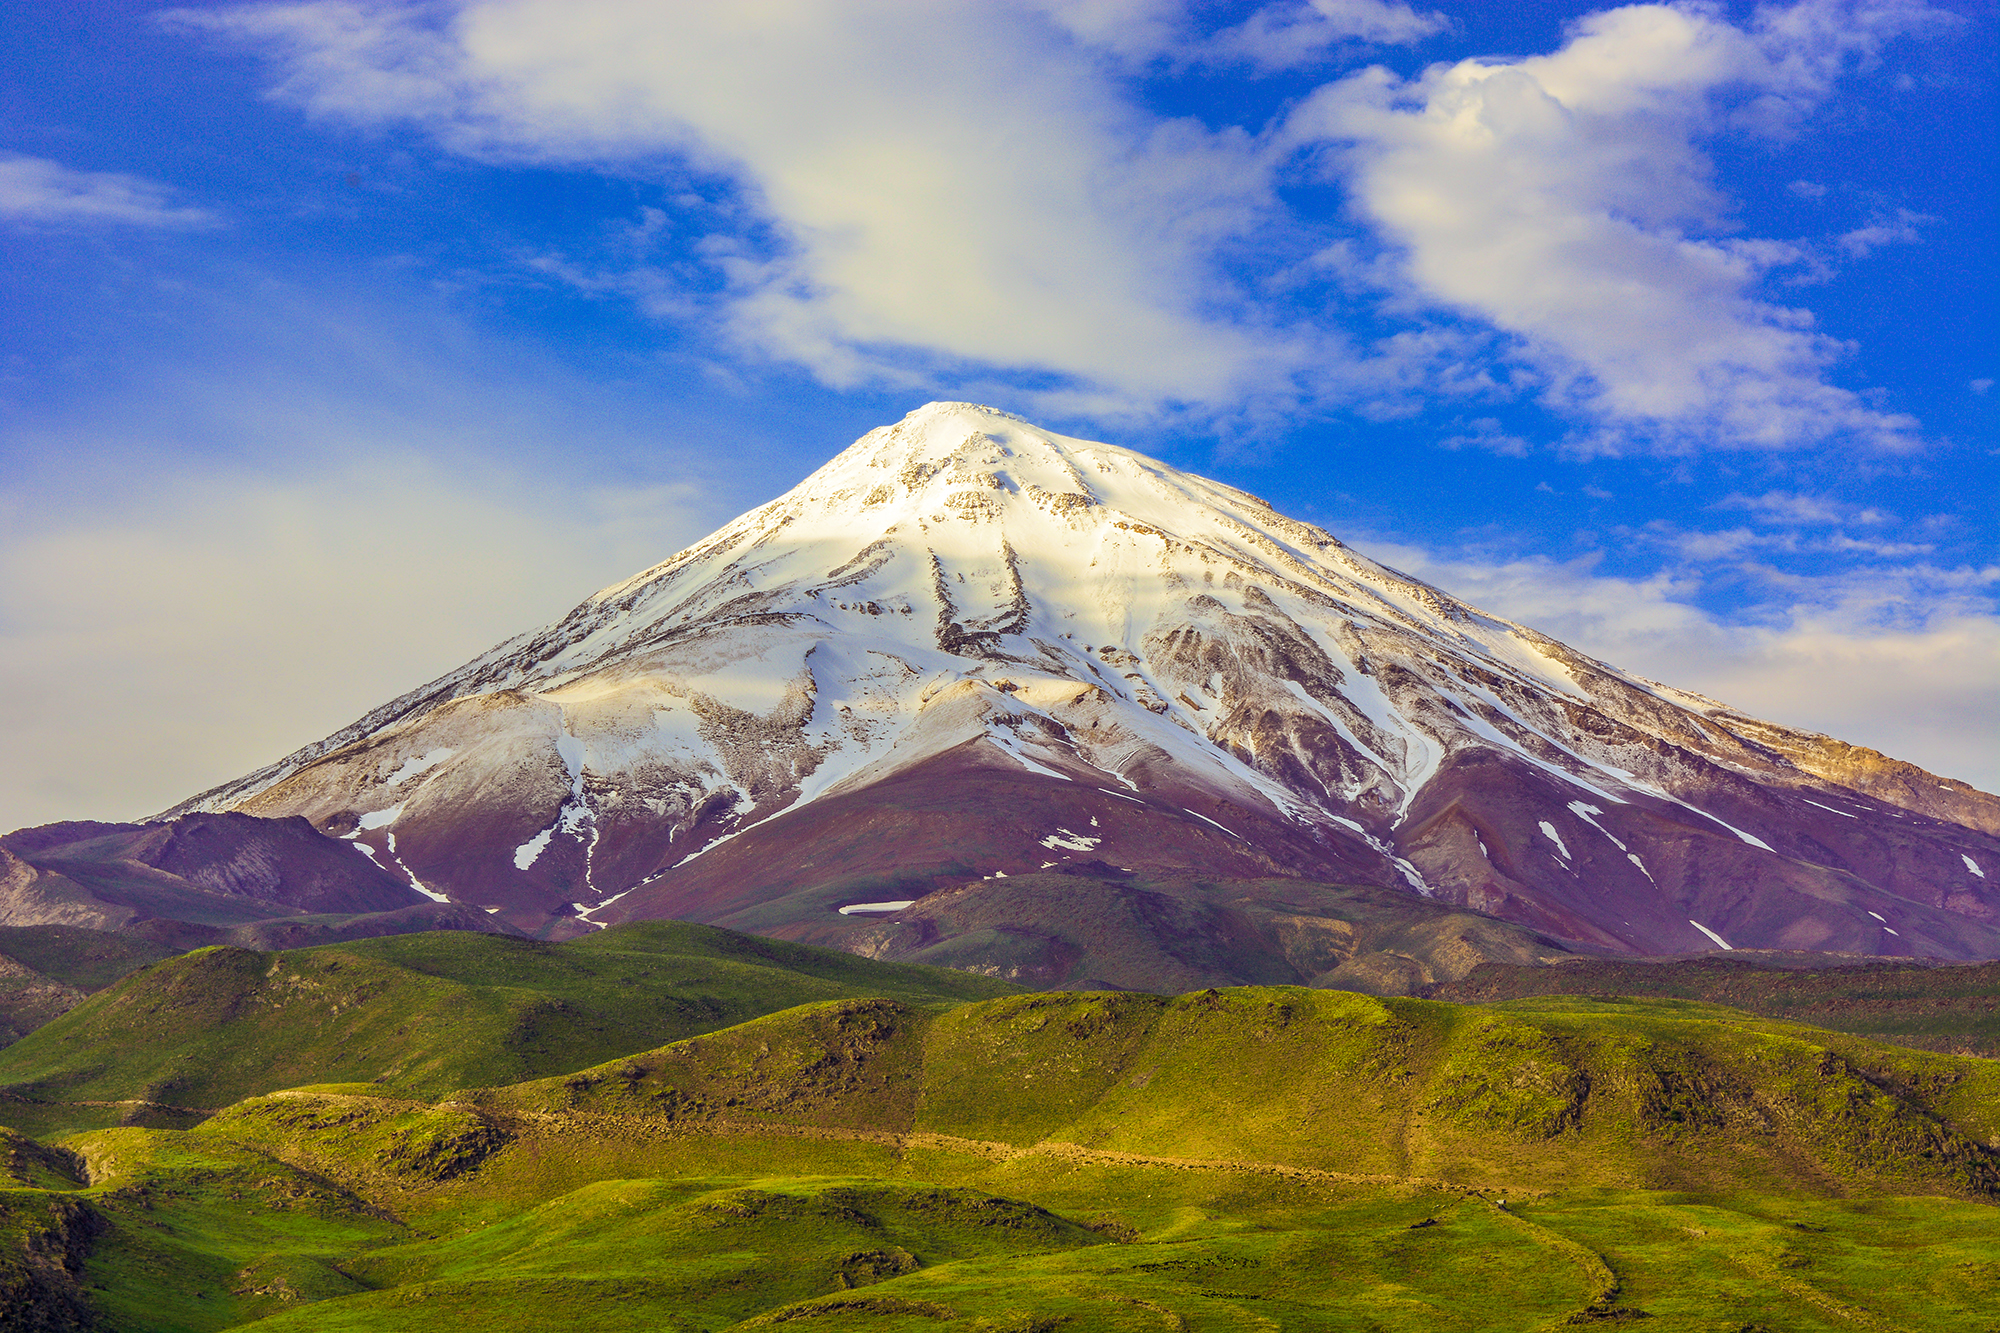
column 896, row 1157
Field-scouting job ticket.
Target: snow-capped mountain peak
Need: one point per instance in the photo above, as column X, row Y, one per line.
column 965, row 603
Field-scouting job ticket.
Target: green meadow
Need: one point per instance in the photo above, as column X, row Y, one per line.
column 898, row 1155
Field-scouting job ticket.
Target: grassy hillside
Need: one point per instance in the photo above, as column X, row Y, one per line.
column 674, row 1127
column 1953, row 1008
column 417, row 1013
column 1547, row 1094
column 1266, row 1158
column 45, row 971
column 89, row 960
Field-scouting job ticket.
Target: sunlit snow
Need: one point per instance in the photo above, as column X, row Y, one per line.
column 530, row 851
column 1711, row 934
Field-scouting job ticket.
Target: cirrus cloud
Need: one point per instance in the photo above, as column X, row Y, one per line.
column 38, row 191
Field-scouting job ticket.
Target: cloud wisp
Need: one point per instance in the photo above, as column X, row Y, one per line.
column 38, row 192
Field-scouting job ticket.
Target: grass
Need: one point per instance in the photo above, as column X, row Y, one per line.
column 1246, row 1159
column 421, row 1014
column 45, row 971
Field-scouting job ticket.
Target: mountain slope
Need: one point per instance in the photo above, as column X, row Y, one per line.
column 968, row 647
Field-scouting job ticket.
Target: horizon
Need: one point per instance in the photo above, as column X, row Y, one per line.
column 347, row 341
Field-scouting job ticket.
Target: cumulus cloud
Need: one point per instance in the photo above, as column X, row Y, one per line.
column 37, row 191
column 1900, row 660
column 949, row 180
column 1566, row 199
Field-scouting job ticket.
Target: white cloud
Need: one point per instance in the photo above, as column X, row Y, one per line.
column 1794, row 510
column 954, row 181
column 1279, row 36
column 1899, row 660
column 1898, row 230
column 1565, row 198
column 1488, row 434
column 1288, row 36
column 36, row 190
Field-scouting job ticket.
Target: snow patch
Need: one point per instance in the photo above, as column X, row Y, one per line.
column 1549, row 832
column 1848, row 813
column 1878, row 916
column 612, row 899
column 1633, row 857
column 1584, row 812
column 1711, row 934
column 853, row 908
column 1013, row 747
column 1972, row 865
column 416, row 764
column 1753, row 841
column 375, row 819
column 366, row 851
column 420, row 887
column 1206, row 820
column 530, row 851
column 1075, row 842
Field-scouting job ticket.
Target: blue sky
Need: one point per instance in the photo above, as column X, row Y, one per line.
column 342, row 340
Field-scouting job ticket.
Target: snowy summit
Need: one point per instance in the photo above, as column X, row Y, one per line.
column 969, row 647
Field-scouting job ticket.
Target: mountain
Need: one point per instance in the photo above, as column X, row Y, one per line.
column 968, row 649
column 204, row 879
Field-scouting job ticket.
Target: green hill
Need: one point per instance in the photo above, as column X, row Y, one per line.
column 889, row 1159
column 1537, row 1094
column 45, row 971
column 417, row 1013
